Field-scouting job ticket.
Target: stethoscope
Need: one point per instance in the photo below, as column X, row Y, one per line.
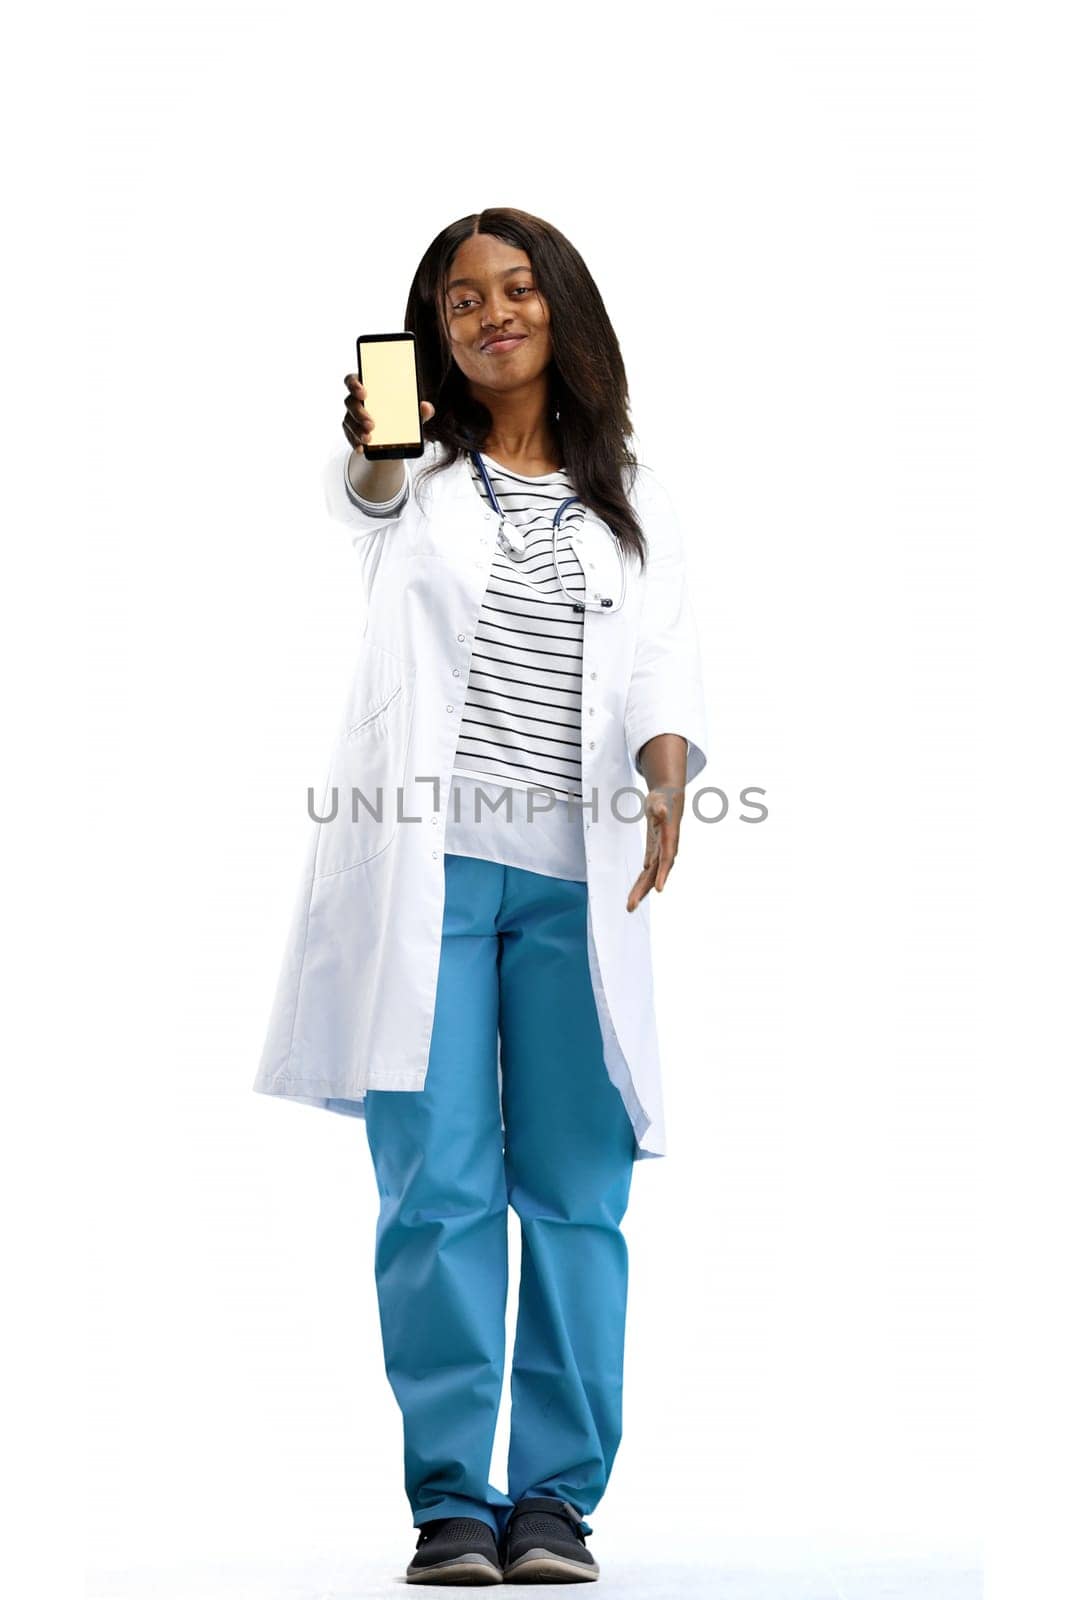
column 517, row 547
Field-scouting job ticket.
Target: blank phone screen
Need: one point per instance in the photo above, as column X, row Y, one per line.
column 387, row 368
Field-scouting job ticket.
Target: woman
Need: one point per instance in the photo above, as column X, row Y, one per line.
column 468, row 967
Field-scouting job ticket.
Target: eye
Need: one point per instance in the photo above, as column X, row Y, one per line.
column 523, row 289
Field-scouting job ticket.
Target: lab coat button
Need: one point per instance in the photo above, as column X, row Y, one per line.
column 592, row 711
column 448, row 708
column 435, row 855
column 455, row 672
column 462, row 636
column 592, row 744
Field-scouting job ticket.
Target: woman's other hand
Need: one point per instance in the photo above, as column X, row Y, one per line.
column 663, row 809
column 661, row 760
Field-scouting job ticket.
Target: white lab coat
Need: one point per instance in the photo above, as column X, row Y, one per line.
column 354, row 1006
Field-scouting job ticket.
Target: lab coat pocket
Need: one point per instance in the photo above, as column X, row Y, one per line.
column 361, row 810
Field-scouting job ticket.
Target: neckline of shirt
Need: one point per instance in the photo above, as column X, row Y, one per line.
column 544, row 477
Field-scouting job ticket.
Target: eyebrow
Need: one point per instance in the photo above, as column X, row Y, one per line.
column 454, row 283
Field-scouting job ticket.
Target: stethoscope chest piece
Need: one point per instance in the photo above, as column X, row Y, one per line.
column 512, row 539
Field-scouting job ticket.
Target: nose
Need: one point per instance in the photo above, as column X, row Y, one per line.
column 495, row 318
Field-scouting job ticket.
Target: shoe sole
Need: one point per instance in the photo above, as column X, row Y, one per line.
column 470, row 1569
column 541, row 1566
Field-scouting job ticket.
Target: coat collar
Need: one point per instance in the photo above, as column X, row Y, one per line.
column 456, row 499
column 455, row 486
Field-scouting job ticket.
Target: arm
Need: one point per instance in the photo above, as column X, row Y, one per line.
column 366, row 511
column 662, row 761
column 375, row 493
column 374, row 482
column 665, row 720
column 666, row 691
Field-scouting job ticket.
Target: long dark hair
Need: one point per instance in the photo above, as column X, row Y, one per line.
column 587, row 378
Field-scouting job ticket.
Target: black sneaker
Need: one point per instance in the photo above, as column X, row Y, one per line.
column 544, row 1542
column 455, row 1550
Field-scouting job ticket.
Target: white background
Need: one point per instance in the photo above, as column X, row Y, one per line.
column 780, row 204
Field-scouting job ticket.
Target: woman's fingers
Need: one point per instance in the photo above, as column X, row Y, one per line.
column 647, row 876
column 642, row 884
column 357, row 434
column 358, row 423
column 354, row 438
column 661, row 847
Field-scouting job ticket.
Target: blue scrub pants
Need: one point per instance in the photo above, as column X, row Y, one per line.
column 550, row 1136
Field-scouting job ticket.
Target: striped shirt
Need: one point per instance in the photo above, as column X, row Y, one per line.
column 522, row 723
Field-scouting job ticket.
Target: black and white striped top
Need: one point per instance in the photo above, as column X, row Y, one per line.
column 521, row 724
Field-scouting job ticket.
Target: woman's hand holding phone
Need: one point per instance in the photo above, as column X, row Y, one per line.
column 373, row 480
column 359, row 424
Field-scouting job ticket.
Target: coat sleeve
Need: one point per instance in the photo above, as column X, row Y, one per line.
column 361, row 517
column 666, row 691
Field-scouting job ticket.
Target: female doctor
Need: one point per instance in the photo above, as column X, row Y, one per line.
column 468, row 967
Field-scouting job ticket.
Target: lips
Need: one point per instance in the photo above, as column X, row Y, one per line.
column 502, row 345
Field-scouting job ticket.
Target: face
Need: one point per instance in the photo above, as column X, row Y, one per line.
column 491, row 291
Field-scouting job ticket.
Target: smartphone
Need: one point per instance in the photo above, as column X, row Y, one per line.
column 388, row 371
